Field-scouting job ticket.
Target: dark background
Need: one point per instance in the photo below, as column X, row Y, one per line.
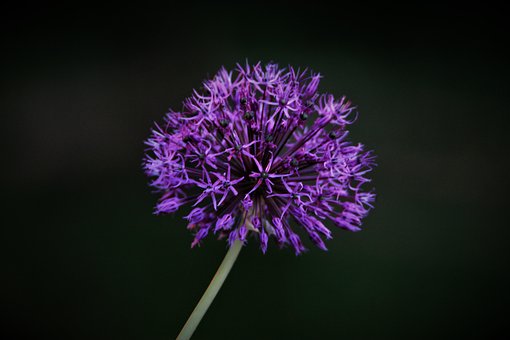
column 83, row 256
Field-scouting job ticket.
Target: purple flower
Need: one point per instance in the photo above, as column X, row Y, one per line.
column 258, row 152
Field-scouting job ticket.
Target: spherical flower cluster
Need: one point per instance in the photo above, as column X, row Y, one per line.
column 258, row 152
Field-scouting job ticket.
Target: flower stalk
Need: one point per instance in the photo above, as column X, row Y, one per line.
column 211, row 291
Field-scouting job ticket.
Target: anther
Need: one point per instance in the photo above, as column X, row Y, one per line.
column 249, row 115
column 224, row 123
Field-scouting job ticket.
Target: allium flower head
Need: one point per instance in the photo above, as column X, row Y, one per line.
column 259, row 152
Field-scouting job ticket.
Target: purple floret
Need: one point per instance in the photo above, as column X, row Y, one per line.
column 258, row 152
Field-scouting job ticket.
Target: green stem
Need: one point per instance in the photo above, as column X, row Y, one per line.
column 211, row 291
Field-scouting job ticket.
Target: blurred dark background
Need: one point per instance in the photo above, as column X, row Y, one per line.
column 83, row 256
